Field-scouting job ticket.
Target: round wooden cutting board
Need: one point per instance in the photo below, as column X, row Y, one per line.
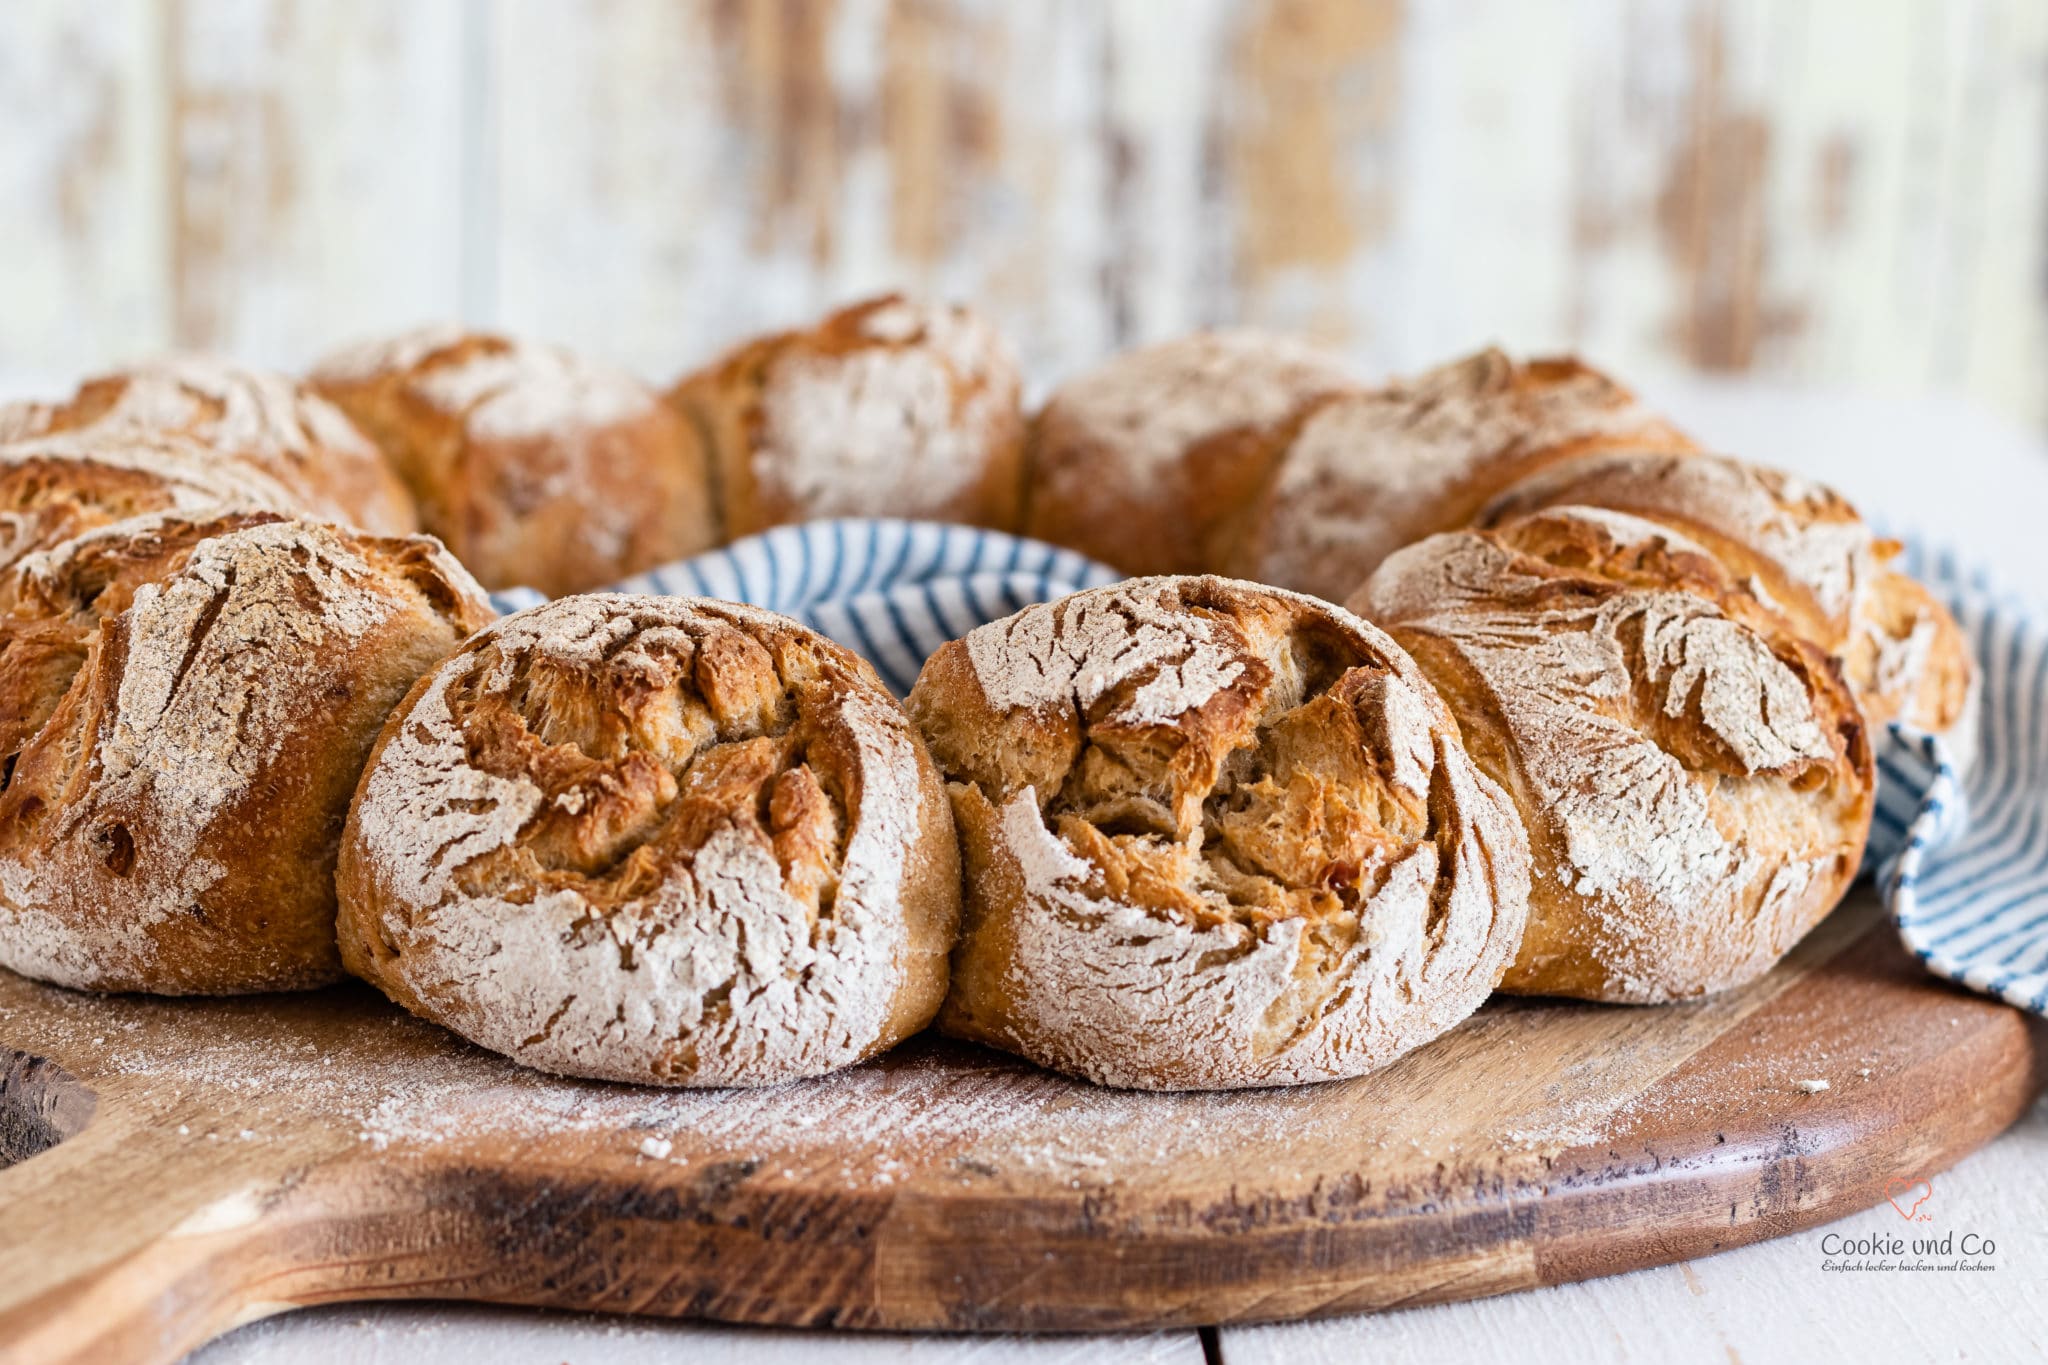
column 184, row 1166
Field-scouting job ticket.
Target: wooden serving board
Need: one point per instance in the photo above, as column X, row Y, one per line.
column 184, row 1166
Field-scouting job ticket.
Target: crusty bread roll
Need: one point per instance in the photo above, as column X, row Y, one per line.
column 1154, row 460
column 1803, row 555
column 654, row 839
column 251, row 417
column 1696, row 783
column 185, row 706
column 885, row 408
column 535, row 466
column 55, row 487
column 1372, row 472
column 1215, row 835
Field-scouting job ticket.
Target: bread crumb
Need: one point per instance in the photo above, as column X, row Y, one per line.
column 1810, row 1087
column 656, row 1147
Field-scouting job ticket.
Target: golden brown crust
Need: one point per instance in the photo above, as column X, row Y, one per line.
column 55, row 487
column 536, row 467
column 654, row 839
column 1214, row 835
column 185, row 705
column 1801, row 554
column 884, row 408
column 1695, row 779
column 254, row 419
column 1909, row 661
column 1372, row 472
column 1154, row 460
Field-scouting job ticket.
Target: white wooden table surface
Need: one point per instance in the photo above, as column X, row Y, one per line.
column 1942, row 469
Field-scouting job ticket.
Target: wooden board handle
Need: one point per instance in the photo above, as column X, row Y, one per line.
column 122, row 1236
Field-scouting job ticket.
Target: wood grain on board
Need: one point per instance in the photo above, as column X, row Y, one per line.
column 1830, row 192
column 244, row 1156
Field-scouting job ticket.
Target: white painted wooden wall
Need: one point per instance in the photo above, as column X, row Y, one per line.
column 1839, row 192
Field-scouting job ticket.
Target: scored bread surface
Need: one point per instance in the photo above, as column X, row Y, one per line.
column 1152, row 460
column 654, row 839
column 1377, row 470
column 889, row 407
column 537, row 466
column 1215, row 835
column 55, row 487
column 185, row 706
column 262, row 421
column 1697, row 785
column 1801, row 551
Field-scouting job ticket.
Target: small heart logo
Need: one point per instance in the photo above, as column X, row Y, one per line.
column 1908, row 1188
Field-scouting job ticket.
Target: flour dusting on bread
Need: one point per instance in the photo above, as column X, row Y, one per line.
column 1078, row 649
column 1152, row 405
column 1217, row 835
column 190, row 677
column 1374, row 471
column 650, row 838
column 908, row 419
column 1684, row 771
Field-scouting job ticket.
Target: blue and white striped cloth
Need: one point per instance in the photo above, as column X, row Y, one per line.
column 1961, row 861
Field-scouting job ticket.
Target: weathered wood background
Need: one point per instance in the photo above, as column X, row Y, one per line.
column 1834, row 191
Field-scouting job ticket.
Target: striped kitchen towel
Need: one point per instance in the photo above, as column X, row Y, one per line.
column 1962, row 857
column 1961, row 860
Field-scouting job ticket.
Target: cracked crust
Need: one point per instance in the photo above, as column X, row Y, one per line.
column 1215, row 835
column 1696, row 780
column 535, row 466
column 654, row 839
column 1153, row 460
column 886, row 408
column 1374, row 471
column 253, row 419
column 185, row 705
column 1803, row 555
column 55, row 487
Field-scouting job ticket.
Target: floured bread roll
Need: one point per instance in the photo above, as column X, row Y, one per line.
column 654, row 839
column 1803, row 555
column 1155, row 459
column 535, row 466
column 185, row 705
column 1215, row 835
column 1372, row 472
column 55, row 487
column 887, row 408
column 265, row 421
column 1696, row 782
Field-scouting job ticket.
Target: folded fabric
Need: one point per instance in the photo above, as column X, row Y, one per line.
column 1961, row 860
